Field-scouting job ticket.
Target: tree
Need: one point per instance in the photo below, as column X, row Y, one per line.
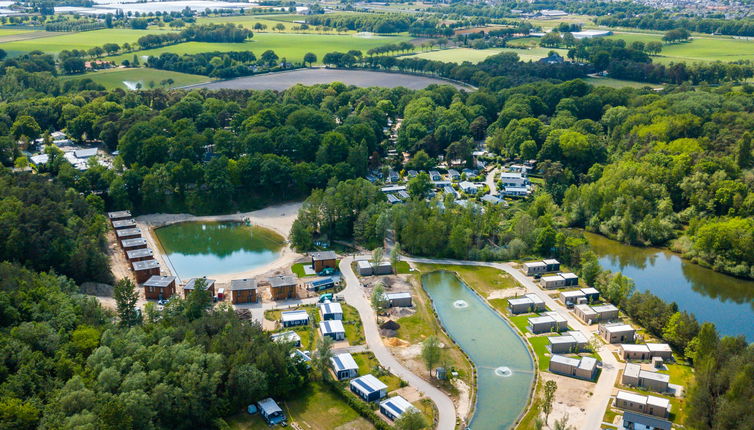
column 744, row 155
column 126, row 297
column 419, row 186
column 322, row 356
column 550, row 388
column 412, row 419
column 395, row 254
column 377, row 254
column 681, row 328
column 269, row 57
column 379, row 300
column 198, row 301
column 562, row 424
column 431, row 352
column 310, row 58
column 25, row 125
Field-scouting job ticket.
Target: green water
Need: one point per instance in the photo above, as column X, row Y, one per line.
column 209, row 248
column 711, row 296
column 505, row 369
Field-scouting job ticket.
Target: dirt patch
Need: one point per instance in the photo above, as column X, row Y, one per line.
column 97, row 289
column 395, row 342
column 508, row 292
column 463, row 402
column 571, row 398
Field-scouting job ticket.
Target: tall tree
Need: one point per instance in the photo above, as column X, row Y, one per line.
column 431, row 352
column 126, row 297
column 322, row 356
column 549, row 396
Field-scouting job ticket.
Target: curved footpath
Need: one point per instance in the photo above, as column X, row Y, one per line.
column 354, row 296
column 603, row 388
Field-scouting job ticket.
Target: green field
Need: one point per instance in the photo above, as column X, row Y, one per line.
column 699, row 49
column 289, row 46
column 616, row 83
column 459, row 55
column 117, row 78
column 248, row 21
column 83, row 40
column 12, row 31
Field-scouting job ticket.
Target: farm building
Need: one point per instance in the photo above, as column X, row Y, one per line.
column 118, row 215
column 287, row 336
column 159, row 287
column 571, row 279
column 570, row 298
column 283, row 287
column 140, row 254
column 634, row 376
column 209, row 285
column 636, row 421
column 127, row 233
column 394, row 407
column 131, row 244
column 584, row 368
column 591, row 294
column 270, row 411
column 548, row 322
column 399, row 300
column 552, row 265
column 243, row 291
column 143, row 270
column 365, row 267
column 651, row 405
column 535, row 268
column 321, row 284
column 552, row 282
column 324, row 259
column 124, row 223
column 616, row 332
column 331, row 311
column 333, row 329
column 368, row 387
column 294, row 318
column 344, row 366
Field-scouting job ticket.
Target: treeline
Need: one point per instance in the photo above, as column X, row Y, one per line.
column 215, row 33
column 68, row 363
column 732, row 27
column 678, row 73
column 374, row 23
column 503, row 9
column 75, row 26
column 222, row 65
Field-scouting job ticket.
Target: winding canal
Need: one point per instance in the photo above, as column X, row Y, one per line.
column 505, row 369
column 711, row 296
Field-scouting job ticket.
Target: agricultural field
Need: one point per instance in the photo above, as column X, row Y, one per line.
column 459, row 55
column 12, row 31
column 699, row 49
column 248, row 21
column 617, row 83
column 286, row 45
column 82, row 40
column 128, row 78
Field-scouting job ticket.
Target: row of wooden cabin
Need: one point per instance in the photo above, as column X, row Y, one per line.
column 134, row 246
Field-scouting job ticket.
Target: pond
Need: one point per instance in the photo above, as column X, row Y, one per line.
column 711, row 296
column 505, row 369
column 196, row 249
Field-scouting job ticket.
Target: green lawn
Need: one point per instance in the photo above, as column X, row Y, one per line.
column 539, row 345
column 12, row 31
column 459, row 55
column 369, row 364
column 314, row 407
column 298, row 270
column 82, row 40
column 680, row 374
column 117, row 78
column 616, row 83
column 521, row 321
column 248, row 21
column 699, row 49
column 352, row 324
column 402, row 267
column 286, row 45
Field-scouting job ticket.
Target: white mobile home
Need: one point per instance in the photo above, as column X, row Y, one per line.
column 333, row 329
column 344, row 366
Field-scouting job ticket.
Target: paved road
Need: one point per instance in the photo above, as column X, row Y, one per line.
column 490, row 181
column 354, row 296
column 603, row 389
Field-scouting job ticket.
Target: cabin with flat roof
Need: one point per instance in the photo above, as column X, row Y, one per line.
column 634, row 376
column 243, row 291
column 344, row 366
column 140, row 254
column 534, row 268
column 369, row 388
column 527, row 303
column 591, row 294
column 333, row 329
column 561, row 344
column 645, row 352
column 650, row 405
column 287, row 336
column 383, row 268
column 127, row 233
column 131, row 244
column 118, row 215
column 399, row 299
column 394, row 407
column 283, row 287
column 324, row 259
column 321, row 284
column 145, row 269
column 661, row 350
column 124, row 223
column 331, row 311
column 552, row 265
column 571, row 279
column 636, row 421
column 616, row 333
column 547, row 322
column 570, row 298
column 552, row 282
column 159, row 287
column 583, row 368
column 294, row 318
column 365, row 267
column 593, row 314
column 191, row 285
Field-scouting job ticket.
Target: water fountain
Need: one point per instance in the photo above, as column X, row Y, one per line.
column 460, row 304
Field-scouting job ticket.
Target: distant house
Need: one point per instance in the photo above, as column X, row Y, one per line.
column 393, row 199
column 547, row 322
column 453, row 175
column 243, row 291
column 591, row 294
column 583, row 368
column 333, row 329
column 324, row 259
column 493, row 200
column 435, row 175
column 552, row 265
column 140, row 254
column 365, row 267
column 395, row 407
column 331, row 311
column 159, row 287
column 283, row 287
column 85, row 153
column 393, row 176
column 513, row 180
column 399, row 300
column 321, row 284
column 571, row 279
column 634, row 376
column 270, row 411
column 534, row 268
column 403, row 195
column 572, row 341
column 468, row 187
column 570, row 298
column 132, row 244
column 127, row 233
column 617, row 333
column 294, row 318
column 645, row 352
column 413, row 173
column 287, row 336
column 368, row 387
column 528, row 303
column 593, row 314
column 553, row 58
column 209, row 285
column 383, row 268
column 124, row 223
column 515, row 191
column 118, row 215
column 650, row 405
column 447, row 189
column 552, row 282
column 344, row 366
column 144, row 270
column 637, row 421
